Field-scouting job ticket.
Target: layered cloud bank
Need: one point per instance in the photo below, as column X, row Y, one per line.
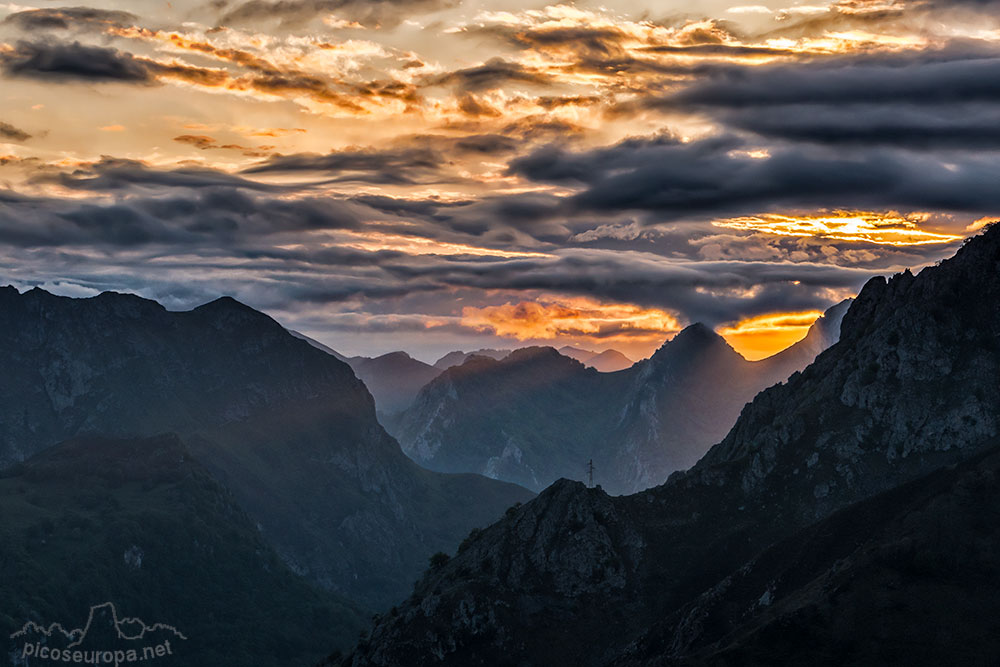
column 433, row 175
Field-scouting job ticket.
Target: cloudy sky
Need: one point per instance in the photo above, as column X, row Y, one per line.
column 431, row 175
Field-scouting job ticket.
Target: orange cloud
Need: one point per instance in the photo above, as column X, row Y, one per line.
column 762, row 336
column 889, row 228
column 982, row 223
column 552, row 318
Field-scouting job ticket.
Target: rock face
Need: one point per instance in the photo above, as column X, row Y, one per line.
column 538, row 415
column 139, row 526
column 907, row 577
column 288, row 428
column 912, row 387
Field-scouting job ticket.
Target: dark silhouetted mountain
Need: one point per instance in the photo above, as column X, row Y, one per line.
column 458, row 358
column 394, row 379
column 530, row 417
column 139, row 533
column 907, row 577
column 608, row 361
column 910, row 388
column 318, row 345
column 288, row 428
column 537, row 416
column 577, row 353
column 687, row 396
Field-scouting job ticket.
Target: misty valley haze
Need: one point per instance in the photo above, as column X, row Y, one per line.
column 440, row 333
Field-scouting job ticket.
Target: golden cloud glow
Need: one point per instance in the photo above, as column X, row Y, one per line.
column 765, row 335
column 982, row 223
column 552, row 318
column 859, row 226
column 417, row 245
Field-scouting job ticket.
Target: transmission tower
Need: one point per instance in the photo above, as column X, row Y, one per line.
column 590, row 473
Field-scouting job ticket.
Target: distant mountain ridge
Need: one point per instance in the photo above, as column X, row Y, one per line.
column 607, row 361
column 288, row 428
column 393, row 378
column 538, row 415
column 725, row 563
column 458, row 357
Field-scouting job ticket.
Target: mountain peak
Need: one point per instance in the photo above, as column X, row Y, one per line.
column 224, row 303
column 533, row 354
column 693, row 339
column 399, row 355
column 226, row 311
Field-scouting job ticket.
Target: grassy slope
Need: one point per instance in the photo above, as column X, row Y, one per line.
column 69, row 515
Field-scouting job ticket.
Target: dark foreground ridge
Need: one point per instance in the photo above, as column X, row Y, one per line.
column 138, row 529
column 726, row 563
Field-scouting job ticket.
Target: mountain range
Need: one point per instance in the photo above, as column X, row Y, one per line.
column 607, row 361
column 287, row 428
column 846, row 519
column 538, row 415
column 457, row 358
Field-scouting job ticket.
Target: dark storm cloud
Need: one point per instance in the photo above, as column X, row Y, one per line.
column 9, row 132
column 388, row 167
column 296, row 13
column 68, row 18
column 973, row 126
column 738, row 50
column 213, row 219
column 411, row 160
column 491, row 75
column 117, row 174
column 716, row 177
column 69, row 62
column 920, row 80
column 73, row 61
column 948, row 98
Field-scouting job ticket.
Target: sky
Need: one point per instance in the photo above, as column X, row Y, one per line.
column 432, row 175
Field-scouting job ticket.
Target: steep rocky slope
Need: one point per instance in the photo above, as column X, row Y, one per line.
column 288, row 428
column 911, row 387
column 906, row 577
